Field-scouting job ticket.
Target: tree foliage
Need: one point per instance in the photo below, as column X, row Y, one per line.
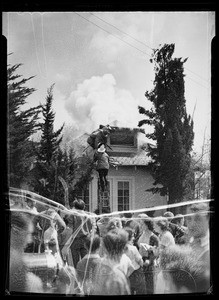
column 21, row 126
column 173, row 127
column 48, row 153
column 50, row 139
column 201, row 164
column 83, row 174
column 58, row 174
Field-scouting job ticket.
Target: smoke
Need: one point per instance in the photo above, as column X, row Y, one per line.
column 98, row 101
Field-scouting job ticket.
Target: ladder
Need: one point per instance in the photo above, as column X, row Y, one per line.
column 103, row 198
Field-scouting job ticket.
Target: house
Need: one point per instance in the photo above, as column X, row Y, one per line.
column 129, row 180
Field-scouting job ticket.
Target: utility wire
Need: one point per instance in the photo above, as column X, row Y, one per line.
column 122, row 31
column 197, row 82
column 131, row 44
column 140, row 42
column 196, row 74
column 112, row 34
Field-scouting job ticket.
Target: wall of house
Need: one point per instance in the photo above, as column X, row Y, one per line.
column 139, row 178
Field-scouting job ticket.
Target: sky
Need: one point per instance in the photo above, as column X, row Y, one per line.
column 99, row 63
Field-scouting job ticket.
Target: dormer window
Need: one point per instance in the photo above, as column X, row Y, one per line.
column 122, row 137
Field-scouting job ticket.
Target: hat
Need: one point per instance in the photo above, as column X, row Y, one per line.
column 143, row 216
column 105, row 130
column 101, row 148
column 168, row 214
column 162, row 222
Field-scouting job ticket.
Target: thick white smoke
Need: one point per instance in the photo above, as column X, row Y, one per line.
column 98, row 101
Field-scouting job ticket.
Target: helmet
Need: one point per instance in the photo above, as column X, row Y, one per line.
column 105, row 130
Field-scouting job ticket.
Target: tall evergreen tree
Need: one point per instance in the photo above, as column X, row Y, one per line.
column 21, row 125
column 48, row 151
column 173, row 128
column 50, row 139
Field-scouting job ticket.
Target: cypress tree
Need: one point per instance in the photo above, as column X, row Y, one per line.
column 48, row 153
column 50, row 139
column 22, row 124
column 173, row 128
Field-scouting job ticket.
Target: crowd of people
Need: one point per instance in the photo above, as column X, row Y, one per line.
column 109, row 254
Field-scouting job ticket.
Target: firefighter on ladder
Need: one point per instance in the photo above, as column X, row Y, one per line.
column 98, row 142
column 103, row 162
column 99, row 136
column 102, row 165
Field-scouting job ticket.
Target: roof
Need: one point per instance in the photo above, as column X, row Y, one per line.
column 139, row 157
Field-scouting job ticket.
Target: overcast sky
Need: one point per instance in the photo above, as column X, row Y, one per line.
column 100, row 65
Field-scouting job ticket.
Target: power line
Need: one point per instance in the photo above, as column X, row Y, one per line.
column 197, row 82
column 122, row 31
column 112, row 34
column 196, row 74
column 131, row 44
column 140, row 42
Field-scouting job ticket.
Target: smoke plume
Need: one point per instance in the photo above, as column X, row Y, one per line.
column 98, row 101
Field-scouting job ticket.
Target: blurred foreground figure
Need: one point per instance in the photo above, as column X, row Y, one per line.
column 81, row 227
column 181, row 272
column 198, row 231
column 20, row 279
column 87, row 266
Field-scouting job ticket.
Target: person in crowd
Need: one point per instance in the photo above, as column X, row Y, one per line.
column 102, row 165
column 110, row 278
column 148, row 244
column 137, row 278
column 63, row 237
column 108, row 224
column 181, row 272
column 30, row 204
column 179, row 220
column 147, row 234
column 176, row 230
column 129, row 221
column 82, row 226
column 86, row 267
column 198, row 230
column 102, row 222
column 166, row 238
column 125, row 264
column 114, row 222
column 17, row 202
column 20, row 278
column 51, row 213
column 50, row 222
column 33, row 246
column 102, row 225
column 50, row 238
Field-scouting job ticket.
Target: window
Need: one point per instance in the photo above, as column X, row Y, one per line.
column 123, row 195
column 122, row 137
column 84, row 195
